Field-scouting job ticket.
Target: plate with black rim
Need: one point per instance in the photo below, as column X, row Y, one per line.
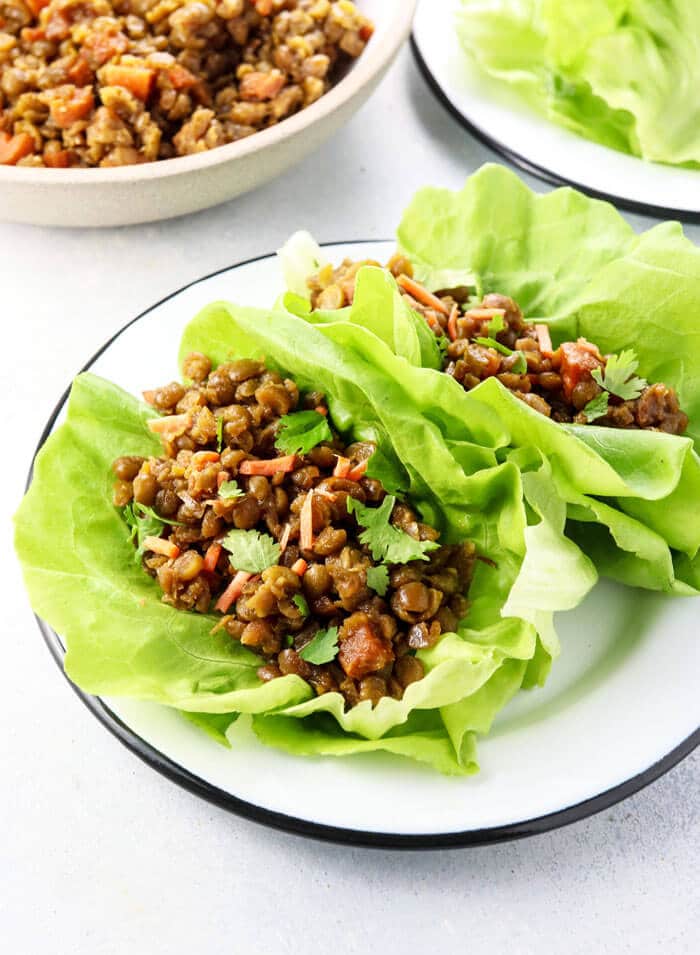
column 620, row 707
column 502, row 120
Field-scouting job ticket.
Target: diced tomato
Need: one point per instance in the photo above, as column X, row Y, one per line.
column 60, row 159
column 14, row 148
column 363, row 651
column 233, row 591
column 163, row 547
column 273, row 466
column 261, row 86
column 211, row 558
column 65, row 112
column 138, row 80
column 578, row 360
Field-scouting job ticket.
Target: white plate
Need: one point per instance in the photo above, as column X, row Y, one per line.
column 620, row 708
column 501, row 119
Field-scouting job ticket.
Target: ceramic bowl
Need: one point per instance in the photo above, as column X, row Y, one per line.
column 173, row 187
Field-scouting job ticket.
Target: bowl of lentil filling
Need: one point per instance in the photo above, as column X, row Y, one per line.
column 306, row 559
column 147, row 109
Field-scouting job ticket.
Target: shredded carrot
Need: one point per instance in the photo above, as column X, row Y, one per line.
column 222, row 477
column 433, row 324
column 273, row 466
column 452, row 323
column 481, row 314
column 342, row 467
column 233, row 591
column 306, row 523
column 321, row 409
column 211, row 558
column 160, row 546
column 545, row 340
column 300, row 567
column 171, row 426
column 358, row 471
column 204, row 457
column 421, row 294
column 284, row 539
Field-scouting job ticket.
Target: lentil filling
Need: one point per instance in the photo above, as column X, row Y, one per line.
column 324, row 605
column 491, row 338
column 118, row 82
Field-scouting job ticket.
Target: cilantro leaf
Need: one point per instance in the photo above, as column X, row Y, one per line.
column 219, row 433
column 229, row 490
column 323, row 647
column 386, row 542
column 299, row 601
column 301, row 431
column 144, row 522
column 619, row 378
column 492, row 343
column 597, row 407
column 378, row 579
column 496, row 325
column 251, row 550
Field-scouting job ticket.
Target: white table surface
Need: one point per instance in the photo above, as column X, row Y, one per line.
column 98, row 853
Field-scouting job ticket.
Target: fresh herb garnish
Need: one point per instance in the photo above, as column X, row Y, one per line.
column 299, row 601
column 597, row 407
column 144, row 522
column 443, row 343
column 301, row 431
column 289, row 640
column 229, row 490
column 519, row 366
column 520, row 363
column 619, row 377
column 323, row 647
column 496, row 325
column 386, row 542
column 219, row 433
column 378, row 579
column 251, row 551
column 492, row 343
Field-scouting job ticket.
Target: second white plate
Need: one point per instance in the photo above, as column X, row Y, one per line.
column 502, row 120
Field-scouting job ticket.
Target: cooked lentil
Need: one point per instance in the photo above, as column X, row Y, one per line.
column 118, row 82
column 221, row 428
column 558, row 383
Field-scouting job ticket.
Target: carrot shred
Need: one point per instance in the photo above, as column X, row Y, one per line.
column 233, row 591
column 300, row 567
column 172, row 426
column 222, row 477
column 211, row 558
column 358, row 471
column 160, row 546
column 452, row 323
column 545, row 340
column 342, row 467
column 306, row 523
column 421, row 294
column 284, row 539
column 273, row 466
column 481, row 314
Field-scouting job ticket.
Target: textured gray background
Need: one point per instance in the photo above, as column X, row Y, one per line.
column 98, row 854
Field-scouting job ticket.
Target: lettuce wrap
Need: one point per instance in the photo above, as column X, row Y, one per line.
column 575, row 264
column 617, row 72
column 123, row 640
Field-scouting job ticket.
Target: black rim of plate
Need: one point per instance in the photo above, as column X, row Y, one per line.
column 541, row 172
column 354, row 837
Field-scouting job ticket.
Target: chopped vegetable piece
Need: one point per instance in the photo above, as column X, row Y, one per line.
column 306, row 522
column 211, row 558
column 181, row 78
column 200, row 458
column 170, row 426
column 378, row 579
column 14, row 148
column 284, row 539
column 160, row 546
column 452, row 323
column 299, row 601
column 358, row 471
column 271, row 466
column 321, row 409
column 222, row 478
column 59, row 159
column 301, row 431
column 422, row 295
column 343, row 467
column 220, row 433
column 323, row 647
column 300, row 567
column 496, row 325
column 386, row 542
column 481, row 314
column 233, row 591
column 251, row 550
column 492, row 343
column 520, row 364
column 65, row 112
column 544, row 339
column 138, row 80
